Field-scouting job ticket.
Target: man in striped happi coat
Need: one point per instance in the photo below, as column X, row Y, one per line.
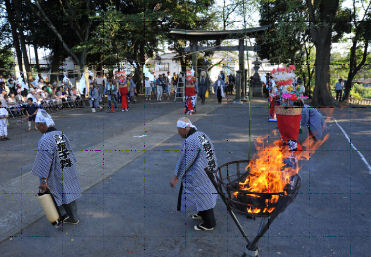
column 197, row 193
column 55, row 165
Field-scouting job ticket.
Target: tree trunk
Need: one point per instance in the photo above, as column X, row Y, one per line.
column 322, row 41
column 13, row 27
column 37, row 60
column 142, row 60
column 18, row 8
column 25, row 56
column 54, row 69
column 353, row 67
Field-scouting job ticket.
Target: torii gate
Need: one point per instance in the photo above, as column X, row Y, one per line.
column 199, row 35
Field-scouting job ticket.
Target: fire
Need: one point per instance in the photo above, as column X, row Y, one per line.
column 268, row 172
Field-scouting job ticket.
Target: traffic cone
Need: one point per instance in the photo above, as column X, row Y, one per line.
column 113, row 109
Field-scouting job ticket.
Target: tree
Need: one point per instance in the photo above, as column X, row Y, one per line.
column 291, row 37
column 17, row 4
column 6, row 53
column 362, row 36
column 288, row 40
column 321, row 20
column 13, row 25
column 77, row 14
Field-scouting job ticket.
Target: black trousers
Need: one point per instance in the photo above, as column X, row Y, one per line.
column 338, row 95
column 208, row 218
column 219, row 95
column 69, row 209
column 202, row 91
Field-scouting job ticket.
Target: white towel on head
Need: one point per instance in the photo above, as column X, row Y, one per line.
column 43, row 117
column 183, row 124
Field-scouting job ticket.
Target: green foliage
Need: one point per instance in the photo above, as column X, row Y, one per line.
column 360, row 92
column 283, row 43
column 6, row 61
column 6, row 54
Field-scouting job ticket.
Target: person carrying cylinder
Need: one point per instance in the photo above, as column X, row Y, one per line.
column 55, row 165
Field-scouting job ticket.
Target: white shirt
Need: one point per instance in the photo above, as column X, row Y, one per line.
column 24, row 86
column 29, row 95
column 147, row 83
column 99, row 81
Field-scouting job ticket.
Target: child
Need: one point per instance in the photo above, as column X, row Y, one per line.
column 94, row 98
column 148, row 88
column 3, row 126
column 31, row 110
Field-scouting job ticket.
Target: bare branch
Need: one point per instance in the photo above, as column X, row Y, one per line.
column 49, row 23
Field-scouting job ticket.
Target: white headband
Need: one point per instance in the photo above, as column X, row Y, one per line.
column 43, row 117
column 182, row 124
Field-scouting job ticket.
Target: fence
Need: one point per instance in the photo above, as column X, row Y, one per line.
column 365, row 101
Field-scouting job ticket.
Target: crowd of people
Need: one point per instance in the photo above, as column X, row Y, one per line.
column 22, row 99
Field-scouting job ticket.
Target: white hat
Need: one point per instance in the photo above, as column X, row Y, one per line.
column 182, row 124
column 43, row 117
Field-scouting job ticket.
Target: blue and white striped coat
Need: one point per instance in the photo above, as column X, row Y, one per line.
column 198, row 194
column 63, row 183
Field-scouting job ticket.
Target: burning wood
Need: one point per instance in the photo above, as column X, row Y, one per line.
column 270, row 175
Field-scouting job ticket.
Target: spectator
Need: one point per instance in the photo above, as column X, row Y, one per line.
column 44, row 93
column 12, row 100
column 94, row 98
column 3, row 123
column 2, row 87
column 164, row 83
column 219, row 86
column 40, row 84
column 174, row 80
column 203, row 85
column 19, row 98
column 159, row 87
column 11, row 85
column 339, row 89
column 23, row 86
column 132, row 88
column 168, row 78
column 147, row 86
column 49, row 89
column 111, row 92
column 2, row 100
column 101, row 82
column 154, row 85
column 222, row 76
column 31, row 111
column 31, row 94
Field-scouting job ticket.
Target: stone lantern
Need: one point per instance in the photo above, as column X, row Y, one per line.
column 255, row 82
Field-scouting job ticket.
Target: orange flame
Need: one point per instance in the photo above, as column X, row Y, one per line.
column 268, row 172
